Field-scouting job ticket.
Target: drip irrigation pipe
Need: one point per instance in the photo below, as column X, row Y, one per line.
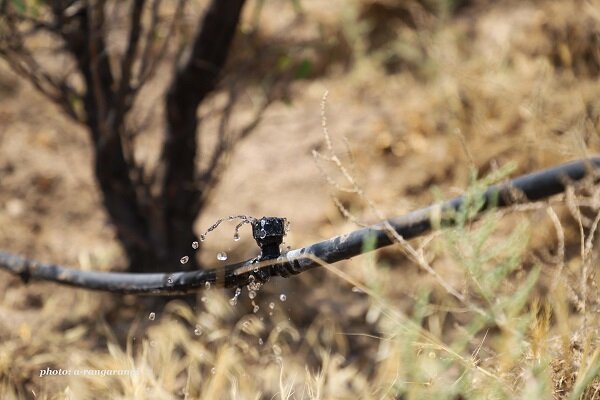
column 269, row 232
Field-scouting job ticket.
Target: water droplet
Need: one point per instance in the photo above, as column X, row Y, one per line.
column 170, row 281
column 260, row 341
column 262, row 223
column 282, row 297
column 251, row 294
column 203, row 299
column 236, row 236
column 202, row 238
column 222, row 256
column 195, row 245
column 271, row 305
column 253, row 285
column 255, row 270
column 198, row 330
column 213, row 371
column 151, row 316
column 184, row 259
column 207, row 285
column 263, row 234
column 255, row 309
column 234, row 299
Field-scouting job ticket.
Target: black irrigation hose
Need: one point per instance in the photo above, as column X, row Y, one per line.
column 534, row 186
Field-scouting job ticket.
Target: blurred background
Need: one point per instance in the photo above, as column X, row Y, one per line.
column 100, row 173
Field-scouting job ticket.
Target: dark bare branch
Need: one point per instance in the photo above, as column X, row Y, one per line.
column 192, row 82
column 14, row 50
column 58, row 91
column 123, row 97
column 148, row 64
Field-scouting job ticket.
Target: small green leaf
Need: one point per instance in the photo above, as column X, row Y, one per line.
column 304, row 70
column 283, row 63
column 19, row 5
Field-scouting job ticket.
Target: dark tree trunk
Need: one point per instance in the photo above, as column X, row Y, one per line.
column 192, row 82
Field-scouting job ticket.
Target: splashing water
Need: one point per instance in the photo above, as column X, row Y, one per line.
column 255, row 307
column 234, row 299
column 253, row 285
column 184, row 259
column 282, row 297
column 236, row 234
column 195, row 245
column 271, row 305
column 253, row 288
column 198, row 330
column 152, row 316
column 245, row 220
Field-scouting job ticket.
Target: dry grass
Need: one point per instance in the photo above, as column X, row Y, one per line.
column 507, row 307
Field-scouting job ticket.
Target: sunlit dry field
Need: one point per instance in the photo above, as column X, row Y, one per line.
column 425, row 100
